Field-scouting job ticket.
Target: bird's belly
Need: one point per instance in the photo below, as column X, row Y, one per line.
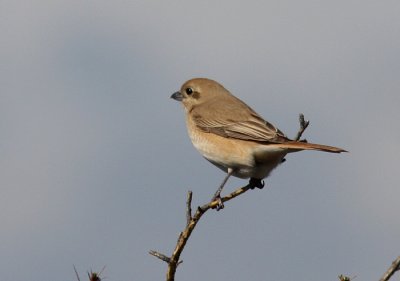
column 239, row 155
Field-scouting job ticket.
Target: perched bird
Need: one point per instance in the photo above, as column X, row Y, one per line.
column 232, row 136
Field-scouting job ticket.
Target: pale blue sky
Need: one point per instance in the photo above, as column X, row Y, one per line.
column 95, row 161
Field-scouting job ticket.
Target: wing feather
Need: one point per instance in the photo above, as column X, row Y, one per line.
column 235, row 120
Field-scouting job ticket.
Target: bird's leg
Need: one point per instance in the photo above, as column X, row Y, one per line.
column 217, row 195
column 253, row 183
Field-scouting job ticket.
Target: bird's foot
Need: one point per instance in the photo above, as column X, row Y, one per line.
column 220, row 204
column 253, row 183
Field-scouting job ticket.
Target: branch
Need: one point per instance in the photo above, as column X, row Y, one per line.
column 303, row 126
column 391, row 270
column 191, row 222
column 160, row 256
column 189, row 208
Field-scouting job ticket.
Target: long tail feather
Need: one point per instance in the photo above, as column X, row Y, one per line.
column 296, row 146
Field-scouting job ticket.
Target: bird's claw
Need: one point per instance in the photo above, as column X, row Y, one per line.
column 253, row 183
column 220, row 204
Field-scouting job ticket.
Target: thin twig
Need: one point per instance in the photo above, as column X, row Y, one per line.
column 189, row 207
column 76, row 273
column 303, row 126
column 391, row 270
column 160, row 256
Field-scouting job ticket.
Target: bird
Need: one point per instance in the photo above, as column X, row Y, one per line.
column 232, row 136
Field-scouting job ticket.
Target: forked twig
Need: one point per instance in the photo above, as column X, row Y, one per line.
column 192, row 221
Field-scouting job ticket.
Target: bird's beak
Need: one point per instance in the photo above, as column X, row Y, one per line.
column 177, row 96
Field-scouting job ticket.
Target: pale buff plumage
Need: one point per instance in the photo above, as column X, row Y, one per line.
column 231, row 135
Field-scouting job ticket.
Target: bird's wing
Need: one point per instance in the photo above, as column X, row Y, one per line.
column 235, row 120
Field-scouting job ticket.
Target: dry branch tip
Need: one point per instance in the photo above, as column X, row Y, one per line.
column 303, row 126
column 395, row 266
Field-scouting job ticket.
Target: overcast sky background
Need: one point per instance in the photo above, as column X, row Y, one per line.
column 95, row 161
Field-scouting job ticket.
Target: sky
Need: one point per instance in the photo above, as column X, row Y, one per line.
column 95, row 161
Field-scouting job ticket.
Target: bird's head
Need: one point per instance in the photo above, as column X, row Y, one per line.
column 197, row 91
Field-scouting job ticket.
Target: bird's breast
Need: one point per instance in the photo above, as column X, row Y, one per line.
column 246, row 158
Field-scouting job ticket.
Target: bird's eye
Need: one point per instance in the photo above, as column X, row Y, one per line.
column 189, row 91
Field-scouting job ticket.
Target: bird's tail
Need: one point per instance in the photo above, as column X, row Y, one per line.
column 297, row 145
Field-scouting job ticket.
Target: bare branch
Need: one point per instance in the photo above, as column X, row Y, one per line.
column 391, row 270
column 191, row 222
column 303, row 126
